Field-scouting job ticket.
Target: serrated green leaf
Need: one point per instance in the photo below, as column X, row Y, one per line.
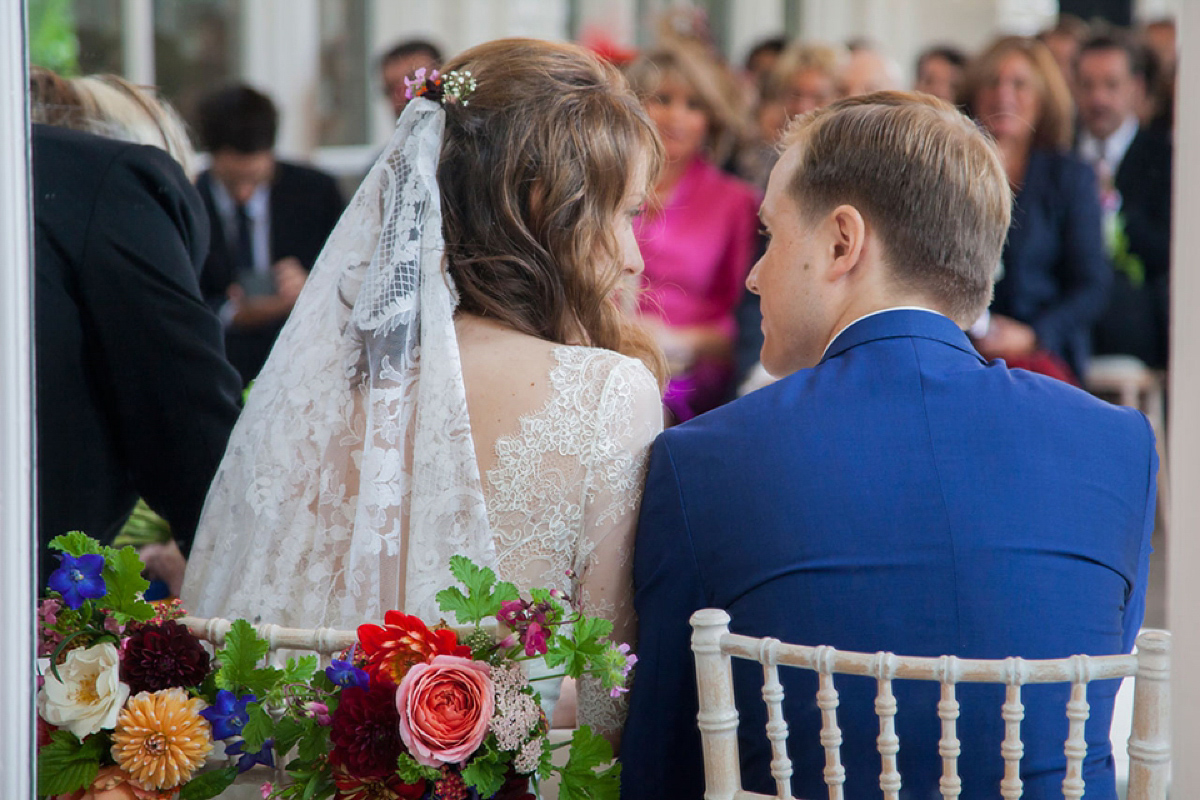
column 483, row 597
column 579, row 651
column 299, row 670
column 207, row 785
column 67, row 765
column 579, row 778
column 486, row 771
column 258, row 728
column 411, row 772
column 239, row 659
column 315, row 743
column 125, row 584
column 287, row 732
column 76, row 543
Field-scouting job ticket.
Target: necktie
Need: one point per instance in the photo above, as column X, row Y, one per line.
column 244, row 246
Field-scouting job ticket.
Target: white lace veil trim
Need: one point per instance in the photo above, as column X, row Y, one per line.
column 351, row 478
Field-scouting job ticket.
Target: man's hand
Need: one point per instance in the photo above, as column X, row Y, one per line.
column 165, row 562
column 1007, row 338
column 290, row 276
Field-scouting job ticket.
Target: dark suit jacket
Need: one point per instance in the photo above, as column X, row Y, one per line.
column 1056, row 273
column 305, row 205
column 134, row 395
column 906, row 496
column 1136, row 321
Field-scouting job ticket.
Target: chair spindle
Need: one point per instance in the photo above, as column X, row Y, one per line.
column 831, row 734
column 949, row 746
column 1012, row 749
column 777, row 727
column 888, row 742
column 1078, row 712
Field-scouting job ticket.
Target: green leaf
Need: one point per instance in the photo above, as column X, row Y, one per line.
column 258, row 728
column 315, row 743
column 239, row 659
column 76, row 543
column 579, row 778
column 484, row 595
column 582, row 649
column 411, row 772
column 67, row 765
column 287, row 732
column 299, row 671
column 125, row 584
column 207, row 785
column 486, row 770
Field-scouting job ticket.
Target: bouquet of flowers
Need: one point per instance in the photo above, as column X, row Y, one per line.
column 132, row 703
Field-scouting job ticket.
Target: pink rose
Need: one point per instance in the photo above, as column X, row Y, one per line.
column 445, row 707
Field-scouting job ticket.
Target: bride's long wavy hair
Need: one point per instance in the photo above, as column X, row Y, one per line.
column 534, row 170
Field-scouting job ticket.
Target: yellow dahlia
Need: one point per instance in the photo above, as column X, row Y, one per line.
column 161, row 739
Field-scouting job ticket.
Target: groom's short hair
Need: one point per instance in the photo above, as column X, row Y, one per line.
column 924, row 176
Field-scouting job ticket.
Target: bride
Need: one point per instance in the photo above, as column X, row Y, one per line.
column 458, row 376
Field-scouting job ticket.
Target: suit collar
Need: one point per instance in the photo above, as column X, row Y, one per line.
column 898, row 323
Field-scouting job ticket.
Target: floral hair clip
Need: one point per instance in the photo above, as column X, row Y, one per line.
column 453, row 87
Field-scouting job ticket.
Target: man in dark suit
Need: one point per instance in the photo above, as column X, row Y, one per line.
column 270, row 220
column 892, row 491
column 134, row 396
column 1133, row 168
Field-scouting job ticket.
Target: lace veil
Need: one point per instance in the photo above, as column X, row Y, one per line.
column 354, row 450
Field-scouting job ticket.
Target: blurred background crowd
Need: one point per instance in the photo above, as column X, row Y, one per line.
column 286, row 125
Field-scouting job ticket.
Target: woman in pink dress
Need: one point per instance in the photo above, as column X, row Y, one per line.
column 699, row 238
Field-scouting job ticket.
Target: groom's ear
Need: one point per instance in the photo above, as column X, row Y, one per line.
column 848, row 232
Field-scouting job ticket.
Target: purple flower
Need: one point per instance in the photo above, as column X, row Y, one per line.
column 78, row 579
column 535, row 640
column 228, row 714
column 319, row 712
column 511, row 612
column 265, row 756
column 346, row 675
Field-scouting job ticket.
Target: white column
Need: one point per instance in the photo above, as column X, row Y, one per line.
column 1183, row 554
column 16, row 415
column 137, row 33
column 280, row 56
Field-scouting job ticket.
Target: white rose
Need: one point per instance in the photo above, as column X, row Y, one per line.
column 90, row 695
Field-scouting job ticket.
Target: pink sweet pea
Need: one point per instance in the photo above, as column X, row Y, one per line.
column 535, row 640
column 445, row 707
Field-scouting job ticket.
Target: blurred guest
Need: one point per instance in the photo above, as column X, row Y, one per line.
column 134, row 395
column 940, row 72
column 758, row 154
column 1063, row 42
column 698, row 240
column 762, row 58
column 401, row 62
column 807, row 76
column 1133, row 169
column 868, row 70
column 1055, row 275
column 270, row 220
column 1159, row 111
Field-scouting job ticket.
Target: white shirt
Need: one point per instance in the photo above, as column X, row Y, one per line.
column 1110, row 151
column 258, row 209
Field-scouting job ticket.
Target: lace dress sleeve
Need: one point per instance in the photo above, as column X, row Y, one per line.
column 630, row 416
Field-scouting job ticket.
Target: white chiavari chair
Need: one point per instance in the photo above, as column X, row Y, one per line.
column 715, row 647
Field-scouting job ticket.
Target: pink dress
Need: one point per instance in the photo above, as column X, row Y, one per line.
column 698, row 251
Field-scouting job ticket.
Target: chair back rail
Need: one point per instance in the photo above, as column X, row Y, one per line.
column 715, row 647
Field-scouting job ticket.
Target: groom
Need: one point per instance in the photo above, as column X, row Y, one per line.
column 893, row 491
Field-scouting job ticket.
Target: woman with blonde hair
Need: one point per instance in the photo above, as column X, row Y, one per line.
column 698, row 239
column 457, row 377
column 110, row 106
column 1054, row 276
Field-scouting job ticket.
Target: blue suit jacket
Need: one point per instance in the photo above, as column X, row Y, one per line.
column 903, row 495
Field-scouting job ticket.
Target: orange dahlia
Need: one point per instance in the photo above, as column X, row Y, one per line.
column 161, row 739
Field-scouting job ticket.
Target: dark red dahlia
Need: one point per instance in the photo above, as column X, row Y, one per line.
column 354, row 787
column 366, row 731
column 163, row 656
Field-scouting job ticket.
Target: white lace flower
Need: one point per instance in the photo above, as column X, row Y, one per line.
column 90, row 694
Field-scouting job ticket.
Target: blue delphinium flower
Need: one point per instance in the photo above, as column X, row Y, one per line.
column 228, row 714
column 346, row 675
column 265, row 756
column 78, row 579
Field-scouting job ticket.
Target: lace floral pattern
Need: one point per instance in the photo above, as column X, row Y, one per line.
column 564, row 494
